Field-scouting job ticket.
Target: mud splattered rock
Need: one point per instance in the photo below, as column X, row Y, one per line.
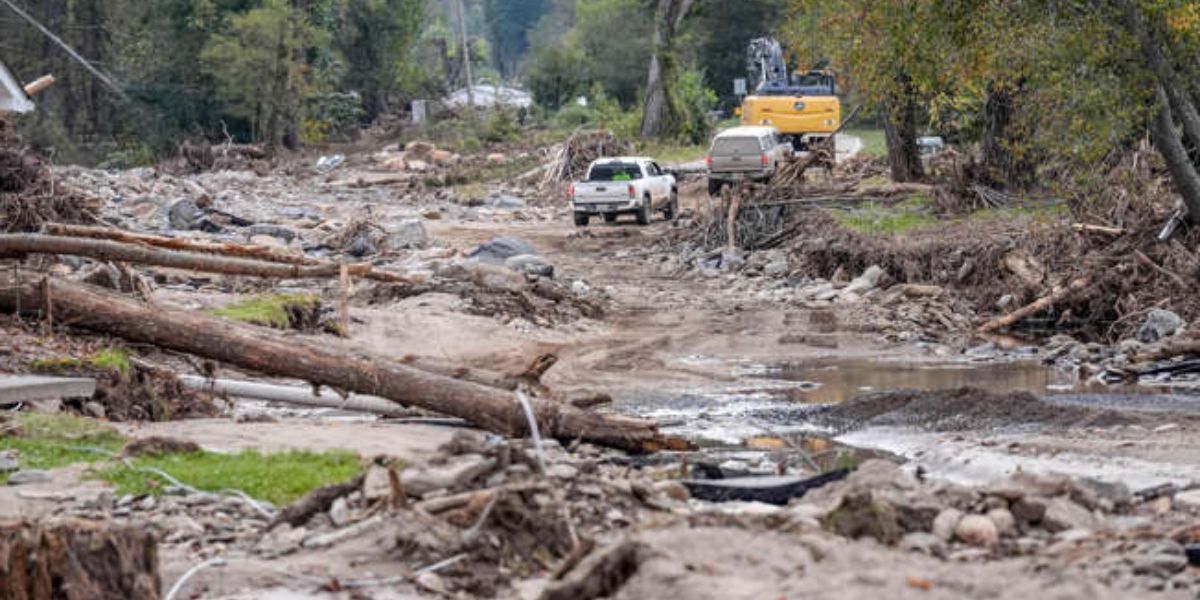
column 1030, row 509
column 1189, row 500
column 530, row 264
column 185, row 214
column 1006, row 524
column 977, row 530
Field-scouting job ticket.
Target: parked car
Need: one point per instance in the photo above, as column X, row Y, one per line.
column 745, row 153
column 625, row 185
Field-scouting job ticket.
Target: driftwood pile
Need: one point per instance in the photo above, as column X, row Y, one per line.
column 203, row 157
column 569, row 161
column 29, row 196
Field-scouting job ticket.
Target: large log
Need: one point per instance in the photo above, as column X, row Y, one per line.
column 487, row 407
column 224, row 249
column 21, row 244
column 77, row 560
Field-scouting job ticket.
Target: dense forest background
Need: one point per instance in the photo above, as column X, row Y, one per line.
column 1035, row 89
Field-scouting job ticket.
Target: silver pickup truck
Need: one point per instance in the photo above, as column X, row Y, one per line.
column 625, row 185
column 745, row 153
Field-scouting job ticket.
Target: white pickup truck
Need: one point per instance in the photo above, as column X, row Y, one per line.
column 625, row 185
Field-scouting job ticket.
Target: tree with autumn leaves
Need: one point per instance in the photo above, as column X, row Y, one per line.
column 1032, row 84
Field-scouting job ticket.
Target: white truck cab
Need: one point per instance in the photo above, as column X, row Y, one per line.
column 624, row 185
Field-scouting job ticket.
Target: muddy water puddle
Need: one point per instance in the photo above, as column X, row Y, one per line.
column 777, row 398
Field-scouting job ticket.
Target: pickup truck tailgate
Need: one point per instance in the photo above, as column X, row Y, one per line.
column 602, row 192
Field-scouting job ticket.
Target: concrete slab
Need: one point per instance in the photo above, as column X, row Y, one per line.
column 29, row 388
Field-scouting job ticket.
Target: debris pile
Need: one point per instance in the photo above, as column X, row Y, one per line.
column 30, row 196
column 570, row 160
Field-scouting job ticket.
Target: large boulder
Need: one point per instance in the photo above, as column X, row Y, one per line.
column 500, row 249
column 185, row 214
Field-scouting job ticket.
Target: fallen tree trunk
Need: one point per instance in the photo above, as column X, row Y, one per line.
column 1184, row 348
column 236, row 250
column 77, row 560
column 21, row 244
column 158, row 241
column 1036, row 307
column 489, row 408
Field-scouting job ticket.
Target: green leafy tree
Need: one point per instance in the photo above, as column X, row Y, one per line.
column 261, row 69
column 555, row 74
column 615, row 37
column 510, row 23
column 376, row 39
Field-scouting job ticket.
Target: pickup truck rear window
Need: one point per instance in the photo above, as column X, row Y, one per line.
column 731, row 146
column 615, row 172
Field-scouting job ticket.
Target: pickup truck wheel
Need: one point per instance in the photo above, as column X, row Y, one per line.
column 643, row 213
column 610, row 217
column 714, row 187
column 672, row 208
column 581, row 219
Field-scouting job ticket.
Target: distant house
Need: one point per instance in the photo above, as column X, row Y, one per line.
column 490, row 96
column 12, row 96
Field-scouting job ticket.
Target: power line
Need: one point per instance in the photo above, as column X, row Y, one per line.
column 105, row 79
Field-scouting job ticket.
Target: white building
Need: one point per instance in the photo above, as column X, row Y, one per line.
column 12, row 96
column 490, row 96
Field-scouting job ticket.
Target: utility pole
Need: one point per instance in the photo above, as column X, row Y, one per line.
column 466, row 48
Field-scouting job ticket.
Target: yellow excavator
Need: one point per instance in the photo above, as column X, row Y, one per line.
column 804, row 107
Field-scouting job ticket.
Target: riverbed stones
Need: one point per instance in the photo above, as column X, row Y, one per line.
column 409, row 235
column 1030, row 509
column 1188, row 500
column 977, row 530
column 28, row 476
column 502, row 248
column 1006, row 524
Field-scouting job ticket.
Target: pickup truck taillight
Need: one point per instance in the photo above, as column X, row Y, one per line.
column 632, row 191
column 571, row 191
column 708, row 161
column 766, row 160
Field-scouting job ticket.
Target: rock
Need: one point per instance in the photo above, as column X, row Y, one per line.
column 185, row 214
column 1168, row 428
column 562, row 471
column 1030, row 509
column 501, row 249
column 869, row 280
column 147, row 504
column 924, row 543
column 776, row 268
column 580, row 288
column 396, row 164
column 339, row 512
column 267, row 241
column 457, row 472
column 732, row 260
column 1006, row 524
column 946, row 522
column 417, row 166
column 861, row 515
column 505, row 202
column 497, row 159
column 377, row 483
column 1063, row 514
column 28, row 476
column 1189, row 500
column 410, row 235
column 673, row 490
column 419, row 149
column 1161, row 562
column 489, row 277
column 94, row 409
column 977, row 530
column 1159, row 324
column 9, row 462
column 531, row 264
column 275, row 231
column 1022, row 484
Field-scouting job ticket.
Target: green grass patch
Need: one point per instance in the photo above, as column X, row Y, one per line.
column 670, row 154
column 279, row 478
column 874, row 142
column 271, row 310
column 880, row 219
column 113, row 359
column 57, row 440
